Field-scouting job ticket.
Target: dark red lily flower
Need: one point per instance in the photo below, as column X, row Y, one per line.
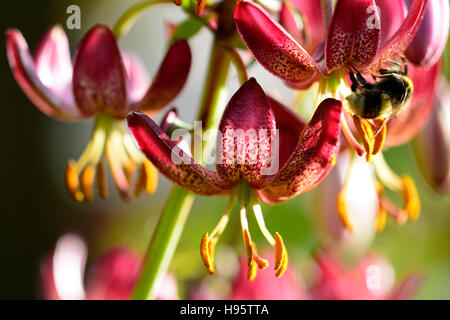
column 246, row 156
column 112, row 277
column 351, row 40
column 103, row 84
column 364, row 35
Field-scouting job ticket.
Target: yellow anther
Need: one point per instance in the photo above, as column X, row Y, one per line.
column 151, row 177
column 380, row 222
column 262, row 263
column 411, row 198
column 73, row 182
column 365, row 132
column 379, row 138
column 87, row 181
column 200, row 6
column 130, row 168
column 207, row 248
column 102, row 184
column 281, row 256
column 252, row 270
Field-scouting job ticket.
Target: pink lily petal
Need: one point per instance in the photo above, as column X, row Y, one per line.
column 266, row 286
column 272, row 46
column 353, row 39
column 171, row 78
column 392, row 14
column 176, row 165
column 313, row 157
column 113, row 276
column 427, row 46
column 24, row 71
column 137, row 76
column 304, row 84
column 99, row 76
column 313, row 31
column 397, row 44
column 54, row 64
column 411, row 120
column 289, row 127
column 244, row 147
column 408, row 288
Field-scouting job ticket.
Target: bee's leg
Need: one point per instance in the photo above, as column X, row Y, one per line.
column 405, row 63
column 355, row 83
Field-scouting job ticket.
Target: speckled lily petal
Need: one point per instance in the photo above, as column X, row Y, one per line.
column 353, row 36
column 394, row 47
column 392, row 14
column 99, row 76
column 24, row 70
column 272, row 46
column 313, row 157
column 244, row 147
column 170, row 79
column 289, row 127
column 411, row 120
column 161, row 151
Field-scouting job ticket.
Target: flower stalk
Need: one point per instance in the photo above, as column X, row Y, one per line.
column 173, row 218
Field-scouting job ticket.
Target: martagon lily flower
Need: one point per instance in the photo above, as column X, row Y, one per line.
column 245, row 159
column 102, row 84
column 358, row 35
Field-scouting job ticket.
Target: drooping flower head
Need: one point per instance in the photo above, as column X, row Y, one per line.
column 340, row 47
column 249, row 163
column 103, row 84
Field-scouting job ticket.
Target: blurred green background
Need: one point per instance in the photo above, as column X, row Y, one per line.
column 36, row 210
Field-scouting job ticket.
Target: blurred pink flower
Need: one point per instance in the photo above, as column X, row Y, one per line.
column 112, row 276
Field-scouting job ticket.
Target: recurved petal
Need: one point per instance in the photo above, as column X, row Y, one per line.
column 397, row 44
column 411, row 120
column 289, row 127
column 175, row 164
column 24, row 71
column 244, row 142
column 171, row 78
column 313, row 157
column 137, row 77
column 303, row 20
column 272, row 46
column 392, row 14
column 354, row 35
column 99, row 76
column 54, row 64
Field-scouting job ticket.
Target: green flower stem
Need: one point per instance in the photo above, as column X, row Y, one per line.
column 173, row 218
column 164, row 243
column 127, row 20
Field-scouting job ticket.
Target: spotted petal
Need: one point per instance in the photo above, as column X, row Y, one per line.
column 354, row 35
column 175, row 164
column 28, row 77
column 170, row 79
column 397, row 44
column 244, row 145
column 99, row 76
column 313, row 157
column 272, row 45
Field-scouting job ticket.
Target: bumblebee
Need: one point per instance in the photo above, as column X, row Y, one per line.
column 383, row 99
